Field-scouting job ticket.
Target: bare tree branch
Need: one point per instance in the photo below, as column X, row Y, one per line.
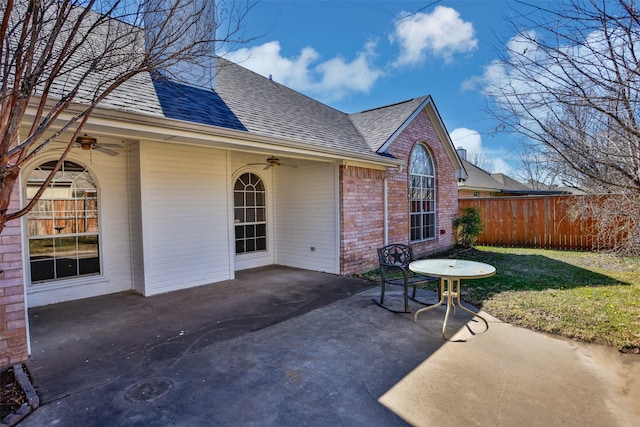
column 59, row 53
column 570, row 81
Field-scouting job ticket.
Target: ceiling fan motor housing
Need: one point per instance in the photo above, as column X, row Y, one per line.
column 86, row 142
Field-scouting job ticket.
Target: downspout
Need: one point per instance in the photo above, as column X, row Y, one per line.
column 389, row 173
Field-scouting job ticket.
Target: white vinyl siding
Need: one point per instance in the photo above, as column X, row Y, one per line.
column 306, row 224
column 135, row 215
column 184, row 216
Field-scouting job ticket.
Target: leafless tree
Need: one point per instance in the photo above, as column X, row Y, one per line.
column 538, row 168
column 60, row 59
column 571, row 81
column 613, row 221
column 481, row 160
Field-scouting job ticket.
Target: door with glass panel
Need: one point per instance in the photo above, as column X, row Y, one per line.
column 250, row 214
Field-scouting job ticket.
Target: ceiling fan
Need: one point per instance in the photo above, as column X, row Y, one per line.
column 89, row 143
column 271, row 162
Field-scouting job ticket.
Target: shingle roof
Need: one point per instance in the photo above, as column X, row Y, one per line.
column 190, row 103
column 379, row 124
column 244, row 100
column 508, row 182
column 266, row 107
column 136, row 95
column 479, row 178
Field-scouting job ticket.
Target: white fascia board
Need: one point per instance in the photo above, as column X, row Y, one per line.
column 130, row 125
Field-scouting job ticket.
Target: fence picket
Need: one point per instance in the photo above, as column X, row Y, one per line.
column 535, row 221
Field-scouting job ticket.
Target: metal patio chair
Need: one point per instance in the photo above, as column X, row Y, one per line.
column 394, row 262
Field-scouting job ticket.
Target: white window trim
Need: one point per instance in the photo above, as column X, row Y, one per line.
column 435, row 194
column 63, row 282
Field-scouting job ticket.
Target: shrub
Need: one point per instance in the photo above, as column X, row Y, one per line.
column 468, row 227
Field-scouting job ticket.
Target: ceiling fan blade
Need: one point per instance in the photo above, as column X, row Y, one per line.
column 267, row 167
column 107, row 151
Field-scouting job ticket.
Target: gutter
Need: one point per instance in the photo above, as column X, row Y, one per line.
column 125, row 124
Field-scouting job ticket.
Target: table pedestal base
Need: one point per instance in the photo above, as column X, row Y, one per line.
column 452, row 294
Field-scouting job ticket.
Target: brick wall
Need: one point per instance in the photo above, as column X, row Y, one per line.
column 471, row 194
column 421, row 130
column 362, row 203
column 13, row 328
column 361, row 217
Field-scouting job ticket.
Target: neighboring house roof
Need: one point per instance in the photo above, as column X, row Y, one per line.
column 509, row 183
column 481, row 180
column 478, row 179
column 571, row 190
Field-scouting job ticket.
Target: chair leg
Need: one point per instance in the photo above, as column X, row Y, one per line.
column 380, row 303
column 406, row 296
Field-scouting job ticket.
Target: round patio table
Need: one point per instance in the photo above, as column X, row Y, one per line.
column 451, row 271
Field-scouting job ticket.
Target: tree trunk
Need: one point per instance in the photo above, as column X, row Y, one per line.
column 8, row 177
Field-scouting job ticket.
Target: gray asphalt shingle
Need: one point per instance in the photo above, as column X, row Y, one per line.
column 379, row 124
column 244, row 100
column 268, row 108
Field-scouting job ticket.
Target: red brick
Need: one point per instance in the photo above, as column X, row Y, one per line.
column 11, row 256
column 19, row 339
column 16, row 324
column 18, row 306
column 13, row 290
column 11, row 281
column 10, row 247
column 10, row 299
column 10, row 334
column 14, row 315
column 12, row 274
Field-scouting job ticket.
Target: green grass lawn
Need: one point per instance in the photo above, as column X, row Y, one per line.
column 588, row 296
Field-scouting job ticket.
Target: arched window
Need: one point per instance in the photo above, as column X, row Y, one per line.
column 422, row 210
column 63, row 225
column 250, row 213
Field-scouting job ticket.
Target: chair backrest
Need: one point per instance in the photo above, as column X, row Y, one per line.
column 395, row 254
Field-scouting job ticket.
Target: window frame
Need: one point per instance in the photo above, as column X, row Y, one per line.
column 89, row 218
column 255, row 216
column 425, row 217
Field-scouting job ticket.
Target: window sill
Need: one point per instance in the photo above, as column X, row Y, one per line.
column 65, row 283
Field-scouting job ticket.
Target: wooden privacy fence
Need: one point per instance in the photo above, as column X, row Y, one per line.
column 537, row 221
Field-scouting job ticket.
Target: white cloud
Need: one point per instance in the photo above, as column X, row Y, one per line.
column 471, row 140
column 468, row 139
column 501, row 166
column 440, row 33
column 330, row 80
column 526, row 83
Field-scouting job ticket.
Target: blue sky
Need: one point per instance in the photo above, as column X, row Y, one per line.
column 362, row 54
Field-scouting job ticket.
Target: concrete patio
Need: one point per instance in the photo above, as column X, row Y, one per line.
column 286, row 347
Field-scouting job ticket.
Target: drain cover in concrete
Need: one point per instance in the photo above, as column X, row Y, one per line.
column 148, row 390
